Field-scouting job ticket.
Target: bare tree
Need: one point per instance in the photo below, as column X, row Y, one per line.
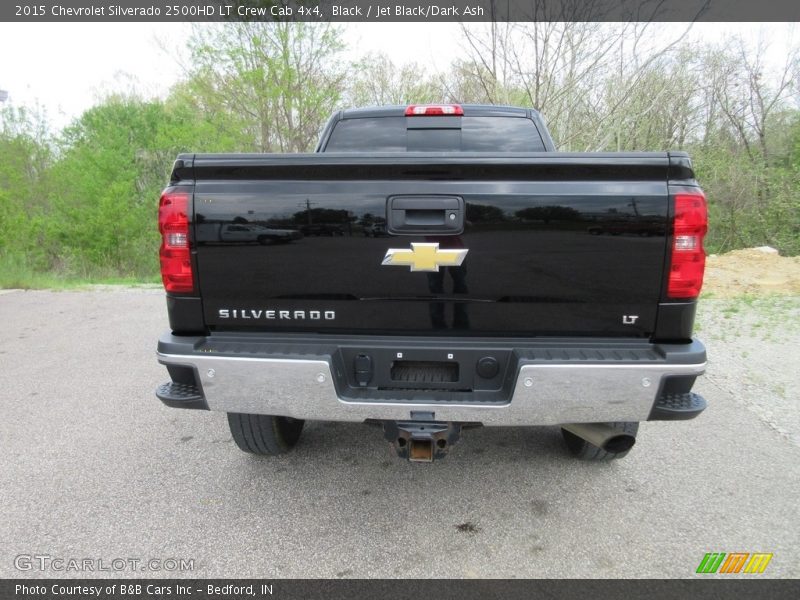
column 563, row 70
column 749, row 99
column 379, row 81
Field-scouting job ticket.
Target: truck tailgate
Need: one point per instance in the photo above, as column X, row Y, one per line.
column 549, row 244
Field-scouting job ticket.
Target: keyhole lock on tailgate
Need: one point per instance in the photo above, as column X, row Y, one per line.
column 414, row 215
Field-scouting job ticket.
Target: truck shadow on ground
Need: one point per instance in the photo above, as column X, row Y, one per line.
column 354, row 461
column 356, row 443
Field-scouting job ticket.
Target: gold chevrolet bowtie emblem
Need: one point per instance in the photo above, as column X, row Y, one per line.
column 424, row 257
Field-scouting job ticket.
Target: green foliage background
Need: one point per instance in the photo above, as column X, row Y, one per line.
column 81, row 203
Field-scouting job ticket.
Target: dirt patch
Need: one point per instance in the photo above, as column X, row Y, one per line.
column 751, row 272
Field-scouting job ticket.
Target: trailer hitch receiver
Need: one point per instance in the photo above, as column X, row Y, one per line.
column 421, row 441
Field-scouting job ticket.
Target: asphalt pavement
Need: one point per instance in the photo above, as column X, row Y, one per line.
column 96, row 469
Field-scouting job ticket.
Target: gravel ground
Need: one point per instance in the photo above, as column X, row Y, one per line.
column 753, row 347
column 95, row 467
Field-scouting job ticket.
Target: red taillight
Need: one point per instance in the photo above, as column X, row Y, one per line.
column 688, row 256
column 429, row 110
column 173, row 224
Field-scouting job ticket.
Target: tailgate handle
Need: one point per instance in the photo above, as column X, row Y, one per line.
column 412, row 215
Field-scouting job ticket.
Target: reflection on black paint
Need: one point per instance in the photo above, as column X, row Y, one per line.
column 437, row 281
column 241, row 231
column 539, row 253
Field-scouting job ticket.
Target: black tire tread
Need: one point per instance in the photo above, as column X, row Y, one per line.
column 265, row 435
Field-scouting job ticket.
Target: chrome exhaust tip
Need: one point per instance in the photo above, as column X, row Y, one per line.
column 601, row 435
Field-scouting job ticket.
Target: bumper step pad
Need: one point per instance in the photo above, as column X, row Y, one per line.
column 181, row 395
column 676, row 407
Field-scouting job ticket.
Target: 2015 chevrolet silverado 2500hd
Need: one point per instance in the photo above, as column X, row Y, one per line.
column 438, row 267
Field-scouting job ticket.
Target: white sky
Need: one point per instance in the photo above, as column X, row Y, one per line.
column 68, row 67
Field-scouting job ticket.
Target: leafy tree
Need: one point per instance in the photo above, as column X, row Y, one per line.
column 114, row 161
column 277, row 81
column 25, row 157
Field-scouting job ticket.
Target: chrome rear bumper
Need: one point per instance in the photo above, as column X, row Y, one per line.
column 549, row 392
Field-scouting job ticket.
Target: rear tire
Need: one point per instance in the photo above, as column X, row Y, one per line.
column 583, row 450
column 266, row 435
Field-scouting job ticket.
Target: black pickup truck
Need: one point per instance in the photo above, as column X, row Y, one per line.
column 438, row 267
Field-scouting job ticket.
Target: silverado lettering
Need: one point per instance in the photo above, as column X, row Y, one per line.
column 470, row 275
column 226, row 313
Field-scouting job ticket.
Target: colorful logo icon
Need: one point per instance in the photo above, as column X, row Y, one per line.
column 734, row 562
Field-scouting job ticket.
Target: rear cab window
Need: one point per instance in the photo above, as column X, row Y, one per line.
column 435, row 134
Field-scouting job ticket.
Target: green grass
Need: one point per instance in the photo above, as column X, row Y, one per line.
column 764, row 316
column 16, row 274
